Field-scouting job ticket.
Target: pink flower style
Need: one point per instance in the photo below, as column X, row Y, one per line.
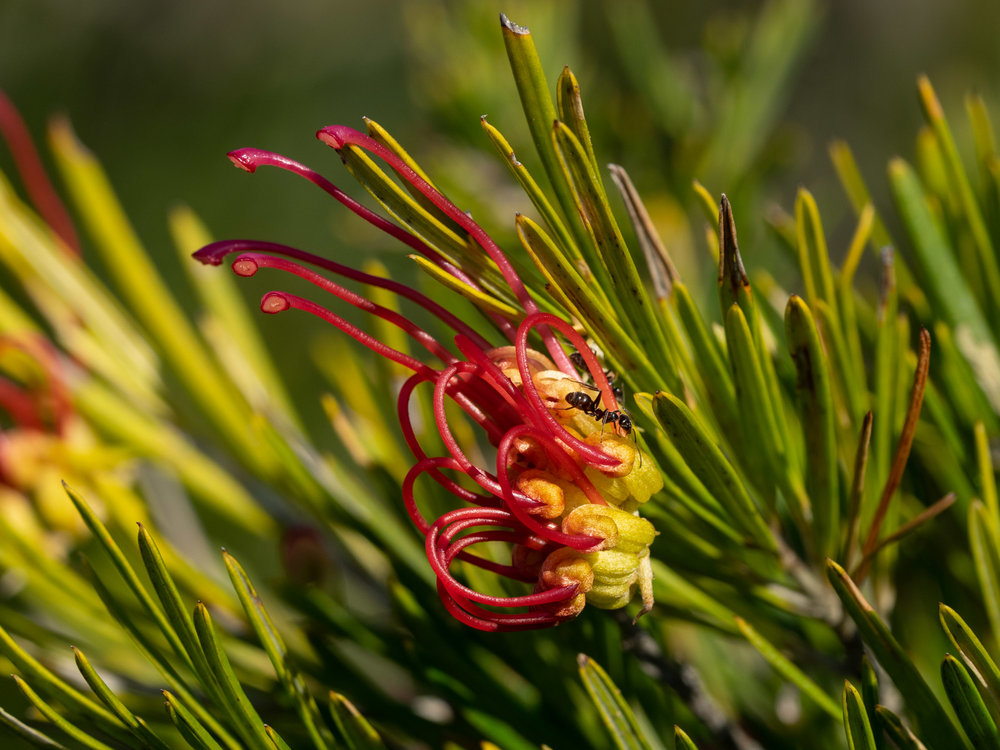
column 566, row 486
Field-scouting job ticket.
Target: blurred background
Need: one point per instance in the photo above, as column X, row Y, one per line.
column 733, row 94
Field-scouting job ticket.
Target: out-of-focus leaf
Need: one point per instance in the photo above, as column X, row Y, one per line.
column 357, row 732
column 682, row 741
column 36, row 738
column 962, row 189
column 972, row 714
column 277, row 652
column 787, row 669
column 192, row 730
column 242, row 713
column 615, row 712
column 131, row 722
column 946, row 288
column 901, row 734
column 976, row 658
column 818, row 425
column 52, row 685
column 935, row 724
column 709, row 464
column 856, row 726
column 76, row 734
column 152, row 302
column 984, row 541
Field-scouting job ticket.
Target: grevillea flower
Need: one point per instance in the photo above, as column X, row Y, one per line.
column 564, row 489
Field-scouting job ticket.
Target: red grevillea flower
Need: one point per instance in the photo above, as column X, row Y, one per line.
column 564, row 489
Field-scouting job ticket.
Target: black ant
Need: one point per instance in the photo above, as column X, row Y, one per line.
column 592, row 408
column 577, row 359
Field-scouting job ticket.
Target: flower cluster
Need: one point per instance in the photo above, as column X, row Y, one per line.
column 568, row 477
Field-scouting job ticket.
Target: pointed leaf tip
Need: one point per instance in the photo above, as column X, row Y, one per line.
column 730, row 262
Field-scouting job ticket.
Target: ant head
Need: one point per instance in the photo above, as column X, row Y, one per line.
column 625, row 423
column 618, row 392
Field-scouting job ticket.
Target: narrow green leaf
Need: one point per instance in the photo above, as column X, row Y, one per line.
column 540, row 113
column 135, row 725
column 845, row 378
column 935, row 723
column 538, row 198
column 600, row 320
column 982, row 128
column 357, row 732
column 52, row 685
column 661, row 267
column 483, row 300
column 432, row 228
column 244, row 717
column 272, row 735
column 277, row 652
column 944, row 283
column 179, row 620
column 77, row 735
column 709, row 464
column 710, row 360
column 609, row 258
column 192, row 730
column 987, row 476
column 976, row 658
column 856, row 726
column 682, row 741
column 380, row 134
column 962, row 189
column 870, row 696
column 898, row 732
column 886, row 375
column 984, row 542
column 570, row 107
column 32, row 735
column 818, row 424
column 857, row 191
column 759, row 416
column 163, row 662
column 787, row 669
column 814, row 257
column 615, row 712
column 972, row 714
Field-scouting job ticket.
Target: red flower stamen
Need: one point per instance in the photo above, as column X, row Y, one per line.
column 215, row 253
column 537, row 498
column 339, row 136
column 249, row 263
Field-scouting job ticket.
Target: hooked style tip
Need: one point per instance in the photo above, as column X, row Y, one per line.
column 243, row 159
column 212, row 255
column 332, row 136
column 274, row 302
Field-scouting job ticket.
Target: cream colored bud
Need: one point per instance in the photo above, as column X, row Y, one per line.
column 616, row 446
column 565, row 567
column 541, row 487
